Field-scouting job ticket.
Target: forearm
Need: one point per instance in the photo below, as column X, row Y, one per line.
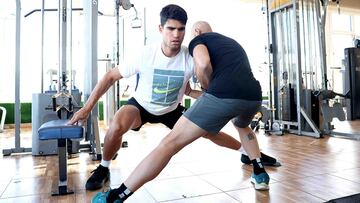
column 194, row 93
column 203, row 66
column 203, row 75
column 101, row 87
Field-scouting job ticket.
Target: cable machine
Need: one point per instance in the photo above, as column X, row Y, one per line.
column 55, row 101
column 298, row 78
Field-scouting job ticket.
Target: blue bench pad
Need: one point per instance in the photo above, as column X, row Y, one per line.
column 58, row 129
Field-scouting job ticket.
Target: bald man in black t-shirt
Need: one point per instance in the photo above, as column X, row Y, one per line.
column 223, row 69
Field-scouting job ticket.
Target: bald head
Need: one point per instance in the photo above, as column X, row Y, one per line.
column 200, row 27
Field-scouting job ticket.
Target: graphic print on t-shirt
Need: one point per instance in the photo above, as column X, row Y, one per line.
column 166, row 86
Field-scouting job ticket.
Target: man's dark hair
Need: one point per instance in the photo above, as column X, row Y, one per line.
column 174, row 12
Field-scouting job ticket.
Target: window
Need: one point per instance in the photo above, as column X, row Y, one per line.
column 357, row 25
column 341, row 22
column 342, row 29
column 339, row 43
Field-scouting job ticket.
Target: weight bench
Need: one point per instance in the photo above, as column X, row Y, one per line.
column 58, row 129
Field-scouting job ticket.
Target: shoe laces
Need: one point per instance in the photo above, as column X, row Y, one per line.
column 99, row 171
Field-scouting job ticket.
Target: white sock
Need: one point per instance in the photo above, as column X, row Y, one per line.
column 242, row 151
column 105, row 163
column 258, row 160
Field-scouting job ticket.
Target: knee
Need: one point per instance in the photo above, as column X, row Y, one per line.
column 207, row 136
column 169, row 145
column 115, row 132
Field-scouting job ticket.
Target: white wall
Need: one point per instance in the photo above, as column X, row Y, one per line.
column 7, row 50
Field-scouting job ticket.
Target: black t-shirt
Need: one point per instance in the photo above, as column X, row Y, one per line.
column 232, row 77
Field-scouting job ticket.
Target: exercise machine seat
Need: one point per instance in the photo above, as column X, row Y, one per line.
column 58, row 129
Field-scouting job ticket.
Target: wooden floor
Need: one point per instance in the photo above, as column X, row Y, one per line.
column 313, row 170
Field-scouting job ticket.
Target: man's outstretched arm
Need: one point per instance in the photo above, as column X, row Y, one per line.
column 101, row 87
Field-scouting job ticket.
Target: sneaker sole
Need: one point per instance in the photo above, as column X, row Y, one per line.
column 259, row 186
column 277, row 164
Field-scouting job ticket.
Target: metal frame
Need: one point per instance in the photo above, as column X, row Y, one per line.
column 91, row 79
column 64, row 60
column 309, row 17
column 62, row 43
column 2, row 119
column 109, row 100
column 345, row 135
column 42, row 43
column 117, row 9
column 18, row 148
column 91, row 19
column 296, row 64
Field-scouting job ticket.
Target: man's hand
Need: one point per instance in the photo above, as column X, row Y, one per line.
column 191, row 92
column 79, row 117
column 188, row 89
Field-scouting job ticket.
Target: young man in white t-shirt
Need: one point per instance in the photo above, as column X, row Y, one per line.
column 164, row 71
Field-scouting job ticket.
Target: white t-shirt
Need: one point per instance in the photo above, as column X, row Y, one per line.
column 162, row 80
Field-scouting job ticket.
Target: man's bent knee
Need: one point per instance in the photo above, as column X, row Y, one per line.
column 207, row 136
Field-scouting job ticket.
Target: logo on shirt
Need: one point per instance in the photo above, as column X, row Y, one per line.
column 166, row 86
column 164, row 91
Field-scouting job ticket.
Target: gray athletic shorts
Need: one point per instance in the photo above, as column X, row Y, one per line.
column 212, row 114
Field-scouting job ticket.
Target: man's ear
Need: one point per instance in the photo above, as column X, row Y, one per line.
column 197, row 32
column 160, row 28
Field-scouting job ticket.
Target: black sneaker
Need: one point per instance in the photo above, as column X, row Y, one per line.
column 266, row 160
column 99, row 177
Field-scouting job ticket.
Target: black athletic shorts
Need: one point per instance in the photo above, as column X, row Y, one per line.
column 168, row 119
